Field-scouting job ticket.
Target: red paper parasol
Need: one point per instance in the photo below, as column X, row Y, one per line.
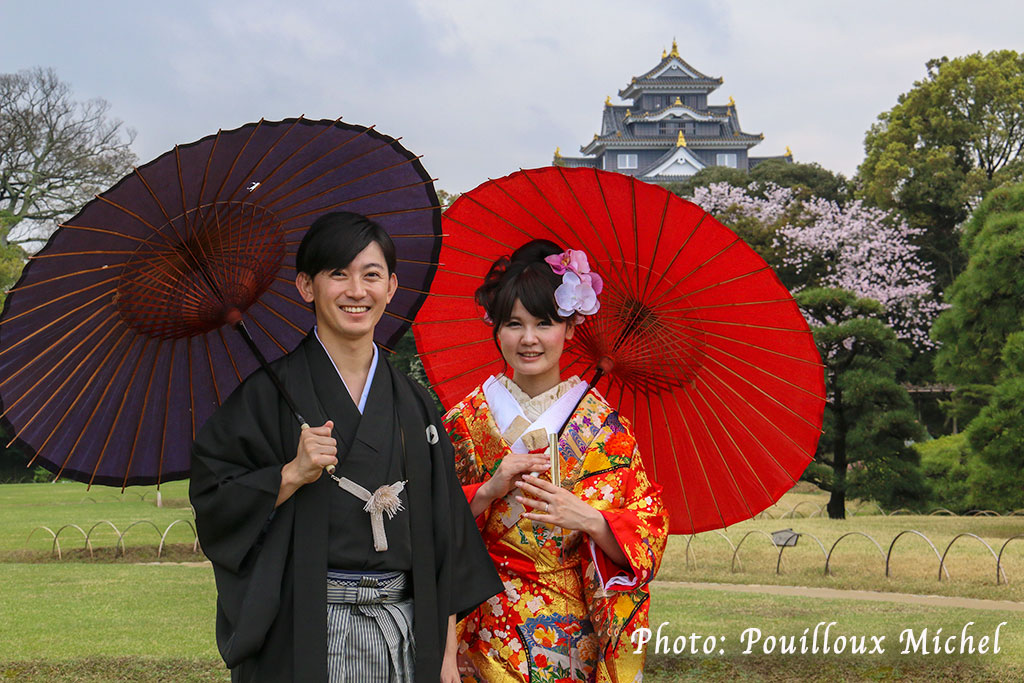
column 113, row 347
column 710, row 357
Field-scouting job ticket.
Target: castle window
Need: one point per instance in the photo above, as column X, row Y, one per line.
column 728, row 160
column 629, row 161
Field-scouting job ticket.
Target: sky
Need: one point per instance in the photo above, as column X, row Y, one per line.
column 484, row 88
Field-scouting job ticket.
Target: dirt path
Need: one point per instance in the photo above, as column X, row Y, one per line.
column 836, row 594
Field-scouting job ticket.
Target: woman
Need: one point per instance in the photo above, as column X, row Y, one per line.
column 575, row 555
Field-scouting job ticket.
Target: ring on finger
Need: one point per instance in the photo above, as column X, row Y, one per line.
column 547, row 506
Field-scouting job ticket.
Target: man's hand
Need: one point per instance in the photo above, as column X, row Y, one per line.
column 316, row 450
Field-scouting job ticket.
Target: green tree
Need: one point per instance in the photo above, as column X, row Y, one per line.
column 996, row 436
column 56, row 153
column 955, row 135
column 869, row 418
column 944, row 463
column 808, row 180
column 986, row 301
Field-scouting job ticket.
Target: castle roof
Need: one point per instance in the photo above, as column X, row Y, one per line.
column 672, row 73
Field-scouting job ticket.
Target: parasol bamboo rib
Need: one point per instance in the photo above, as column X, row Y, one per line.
column 51, row 346
column 245, row 146
column 338, row 205
column 281, row 317
column 679, row 251
column 30, row 285
column 657, row 300
column 784, row 406
column 771, row 398
column 743, row 424
column 209, row 160
column 534, row 216
column 73, row 404
column 697, row 456
column 608, row 212
column 103, row 395
column 766, row 372
column 324, row 174
column 163, row 427
column 675, row 453
column 266, row 176
column 64, row 358
column 464, row 373
column 55, row 300
column 441, row 322
column 191, row 389
column 398, row 212
column 657, row 244
column 636, row 234
column 209, row 364
column 267, row 334
column 737, row 304
column 142, row 416
column 156, row 231
column 721, row 456
column 456, row 346
column 481, row 233
column 615, row 264
column 104, row 231
column 234, row 365
column 694, row 292
column 578, row 239
column 751, row 345
column 751, row 326
column 120, row 406
column 471, row 198
column 348, row 182
column 269, row 191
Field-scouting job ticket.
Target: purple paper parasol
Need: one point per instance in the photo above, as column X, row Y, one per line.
column 115, row 345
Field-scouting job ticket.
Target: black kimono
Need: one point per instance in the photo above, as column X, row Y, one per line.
column 271, row 564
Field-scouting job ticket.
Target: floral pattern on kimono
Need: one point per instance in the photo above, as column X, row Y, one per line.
column 568, row 613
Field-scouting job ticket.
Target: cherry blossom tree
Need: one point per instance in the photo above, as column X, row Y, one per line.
column 815, row 242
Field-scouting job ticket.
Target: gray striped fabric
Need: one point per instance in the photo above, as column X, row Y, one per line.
column 369, row 627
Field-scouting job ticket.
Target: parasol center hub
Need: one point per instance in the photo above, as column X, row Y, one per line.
column 201, row 270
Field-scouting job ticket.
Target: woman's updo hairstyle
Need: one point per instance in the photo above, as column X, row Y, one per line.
column 524, row 276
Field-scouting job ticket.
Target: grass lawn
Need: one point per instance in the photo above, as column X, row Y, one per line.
column 119, row 618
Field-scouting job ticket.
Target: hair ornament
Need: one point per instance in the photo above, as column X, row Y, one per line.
column 580, row 287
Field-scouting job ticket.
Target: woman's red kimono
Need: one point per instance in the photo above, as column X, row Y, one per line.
column 567, row 613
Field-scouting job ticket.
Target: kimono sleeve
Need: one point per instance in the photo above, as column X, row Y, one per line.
column 468, row 467
column 639, row 524
column 474, row 578
column 236, row 473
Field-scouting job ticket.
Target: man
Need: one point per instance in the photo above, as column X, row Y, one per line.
column 316, row 568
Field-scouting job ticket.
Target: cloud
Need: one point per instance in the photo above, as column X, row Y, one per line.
column 484, row 88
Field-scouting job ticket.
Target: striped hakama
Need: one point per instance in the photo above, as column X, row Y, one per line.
column 369, row 627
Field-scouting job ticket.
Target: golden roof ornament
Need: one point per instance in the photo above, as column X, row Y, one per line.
column 628, row 114
column 678, row 102
column 681, row 140
column 608, row 101
column 675, row 49
column 732, row 102
column 664, row 53
column 558, row 152
column 789, row 152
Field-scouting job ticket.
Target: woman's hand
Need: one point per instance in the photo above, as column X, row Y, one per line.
column 511, row 469
column 554, row 505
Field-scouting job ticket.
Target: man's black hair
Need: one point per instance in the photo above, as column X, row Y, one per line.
column 335, row 239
